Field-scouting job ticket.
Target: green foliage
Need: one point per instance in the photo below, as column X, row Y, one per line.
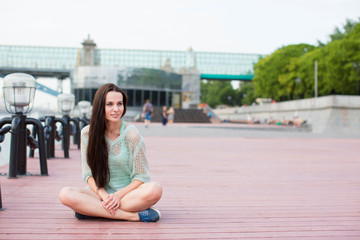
column 289, row 73
column 132, row 77
column 275, row 74
column 348, row 27
column 217, row 93
column 247, row 93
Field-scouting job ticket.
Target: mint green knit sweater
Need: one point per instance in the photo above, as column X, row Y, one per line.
column 127, row 158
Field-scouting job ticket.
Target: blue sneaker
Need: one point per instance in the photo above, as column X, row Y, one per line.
column 150, row 215
column 81, row 216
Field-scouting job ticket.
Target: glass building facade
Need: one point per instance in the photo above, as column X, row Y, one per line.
column 38, row 57
column 160, row 87
column 68, row 58
column 161, row 76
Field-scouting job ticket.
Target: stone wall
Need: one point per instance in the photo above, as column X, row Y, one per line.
column 336, row 113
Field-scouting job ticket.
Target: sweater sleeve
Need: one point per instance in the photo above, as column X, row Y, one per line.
column 138, row 164
column 86, row 171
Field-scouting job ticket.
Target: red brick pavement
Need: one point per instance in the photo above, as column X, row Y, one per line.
column 214, row 188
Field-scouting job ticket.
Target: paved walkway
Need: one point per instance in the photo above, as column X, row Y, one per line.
column 218, row 184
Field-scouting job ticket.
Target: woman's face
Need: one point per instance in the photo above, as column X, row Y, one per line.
column 114, row 106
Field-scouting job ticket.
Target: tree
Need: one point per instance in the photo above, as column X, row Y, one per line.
column 218, row 93
column 340, row 74
column 304, row 71
column 336, row 73
column 288, row 73
column 348, row 28
column 274, row 75
column 246, row 93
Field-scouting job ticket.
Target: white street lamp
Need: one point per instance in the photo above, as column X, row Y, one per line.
column 66, row 102
column 19, row 92
column 84, row 107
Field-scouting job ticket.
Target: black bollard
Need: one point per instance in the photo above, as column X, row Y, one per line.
column 1, row 207
column 50, row 136
column 65, row 136
column 76, row 139
column 41, row 140
column 21, row 141
column 84, row 122
column 33, row 133
column 14, row 148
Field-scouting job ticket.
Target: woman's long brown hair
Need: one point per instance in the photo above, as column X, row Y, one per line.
column 97, row 151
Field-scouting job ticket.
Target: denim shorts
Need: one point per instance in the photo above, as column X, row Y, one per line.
column 148, row 116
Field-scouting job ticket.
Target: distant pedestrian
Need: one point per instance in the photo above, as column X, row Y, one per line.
column 171, row 115
column 164, row 117
column 137, row 117
column 147, row 111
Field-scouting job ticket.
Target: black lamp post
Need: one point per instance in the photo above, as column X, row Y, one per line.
column 229, row 100
column 19, row 92
column 77, row 123
column 66, row 102
column 297, row 81
column 85, row 110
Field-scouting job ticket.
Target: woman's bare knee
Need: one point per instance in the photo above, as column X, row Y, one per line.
column 153, row 192
column 66, row 195
column 142, row 198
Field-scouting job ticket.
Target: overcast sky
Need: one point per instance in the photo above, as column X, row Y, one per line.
column 253, row 26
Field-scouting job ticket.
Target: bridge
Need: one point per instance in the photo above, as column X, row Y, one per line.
column 225, row 77
column 65, row 73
